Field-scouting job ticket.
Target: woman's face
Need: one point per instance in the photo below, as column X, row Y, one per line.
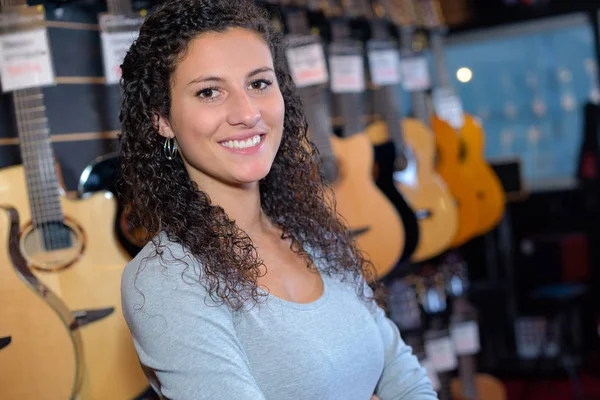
column 227, row 110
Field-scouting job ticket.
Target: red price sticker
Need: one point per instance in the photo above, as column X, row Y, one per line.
column 25, row 60
column 307, row 65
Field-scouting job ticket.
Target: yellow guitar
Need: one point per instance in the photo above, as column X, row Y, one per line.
column 469, row 134
column 40, row 345
column 418, row 181
column 71, row 248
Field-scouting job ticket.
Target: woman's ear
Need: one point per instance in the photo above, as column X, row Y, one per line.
column 163, row 126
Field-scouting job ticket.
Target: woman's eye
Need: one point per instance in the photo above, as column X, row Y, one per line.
column 207, row 93
column 260, row 84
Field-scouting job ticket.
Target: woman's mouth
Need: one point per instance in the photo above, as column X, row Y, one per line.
column 243, row 144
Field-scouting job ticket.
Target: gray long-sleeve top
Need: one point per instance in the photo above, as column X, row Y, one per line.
column 337, row 347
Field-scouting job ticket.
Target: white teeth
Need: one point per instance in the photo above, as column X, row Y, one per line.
column 243, row 144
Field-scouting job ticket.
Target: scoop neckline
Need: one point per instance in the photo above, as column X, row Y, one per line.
column 301, row 306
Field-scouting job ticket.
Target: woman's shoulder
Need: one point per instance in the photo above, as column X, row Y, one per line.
column 162, row 268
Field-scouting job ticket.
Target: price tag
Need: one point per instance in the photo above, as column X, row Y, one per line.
column 415, row 74
column 384, row 67
column 307, row 65
column 26, row 60
column 448, row 107
column 441, row 354
column 465, row 336
column 347, row 74
column 117, row 34
column 431, row 373
column 114, row 48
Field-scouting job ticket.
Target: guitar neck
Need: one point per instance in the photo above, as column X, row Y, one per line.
column 467, row 368
column 37, row 156
column 351, row 105
column 436, row 38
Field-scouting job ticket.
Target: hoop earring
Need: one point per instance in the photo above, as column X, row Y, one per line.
column 170, row 148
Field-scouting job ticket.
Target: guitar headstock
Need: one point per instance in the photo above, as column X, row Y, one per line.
column 431, row 290
column 403, row 303
column 456, row 275
column 357, row 9
column 430, row 14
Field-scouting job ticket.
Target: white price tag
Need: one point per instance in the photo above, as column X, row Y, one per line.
column 114, row 48
column 25, row 60
column 431, row 373
column 448, row 107
column 465, row 336
column 307, row 65
column 347, row 74
column 384, row 67
column 415, row 74
column 441, row 354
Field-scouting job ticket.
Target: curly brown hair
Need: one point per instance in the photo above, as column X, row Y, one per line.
column 163, row 198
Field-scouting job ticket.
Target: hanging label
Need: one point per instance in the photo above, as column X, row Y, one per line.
column 448, row 107
column 347, row 74
column 465, row 336
column 414, row 72
column 441, row 354
column 117, row 34
column 25, row 58
column 307, row 65
column 431, row 373
column 384, row 67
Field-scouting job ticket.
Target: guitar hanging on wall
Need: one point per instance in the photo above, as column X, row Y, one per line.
column 71, row 250
column 346, row 162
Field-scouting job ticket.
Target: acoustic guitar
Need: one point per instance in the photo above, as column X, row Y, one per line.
column 386, row 152
column 347, row 165
column 70, row 247
column 463, row 322
column 41, row 354
column 413, row 169
column 457, row 131
column 354, row 151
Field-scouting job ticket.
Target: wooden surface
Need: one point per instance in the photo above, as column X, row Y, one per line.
column 93, row 282
column 363, row 205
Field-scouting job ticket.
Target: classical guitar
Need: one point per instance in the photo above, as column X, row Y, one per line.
column 465, row 132
column 347, row 163
column 42, row 352
column 465, row 334
column 386, row 152
column 70, row 247
column 413, row 169
column 359, row 199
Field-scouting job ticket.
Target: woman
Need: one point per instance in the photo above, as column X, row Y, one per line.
column 251, row 287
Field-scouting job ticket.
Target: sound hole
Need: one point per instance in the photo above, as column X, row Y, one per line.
column 52, row 246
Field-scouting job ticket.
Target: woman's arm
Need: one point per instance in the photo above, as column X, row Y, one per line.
column 403, row 377
column 186, row 343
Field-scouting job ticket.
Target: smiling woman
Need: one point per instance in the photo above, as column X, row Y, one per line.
column 250, row 286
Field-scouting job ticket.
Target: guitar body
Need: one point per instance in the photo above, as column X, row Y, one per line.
column 90, row 282
column 385, row 154
column 428, row 193
column 493, row 198
column 423, row 189
column 42, row 359
column 488, row 388
column 459, row 179
column 365, row 208
column 101, row 176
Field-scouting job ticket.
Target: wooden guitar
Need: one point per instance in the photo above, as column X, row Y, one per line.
column 42, row 352
column 359, row 199
column 460, row 132
column 347, row 165
column 413, row 169
column 470, row 385
column 70, row 247
column 387, row 152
